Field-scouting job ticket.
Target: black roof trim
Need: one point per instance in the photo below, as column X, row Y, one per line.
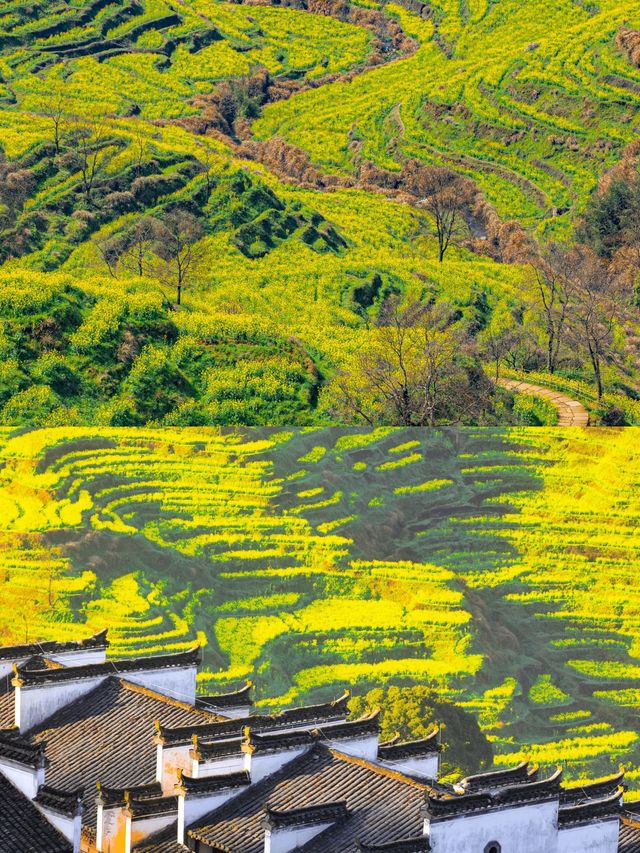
column 118, row 796
column 538, row 790
column 499, row 778
column 97, row 641
column 610, row 807
column 449, row 806
column 403, row 845
column 237, row 699
column 210, row 784
column 149, row 807
column 203, row 751
column 334, row 711
column 276, row 741
column 306, row 816
column 111, row 667
column 410, row 749
column 576, row 794
column 446, row 806
column 68, row 803
column 22, row 751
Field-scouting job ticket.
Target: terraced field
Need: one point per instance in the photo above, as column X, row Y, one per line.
column 498, row 566
column 171, row 100
column 533, row 101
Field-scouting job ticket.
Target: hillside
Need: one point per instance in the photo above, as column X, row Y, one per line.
column 497, row 566
column 276, row 145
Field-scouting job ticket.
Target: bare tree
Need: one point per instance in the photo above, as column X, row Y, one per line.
column 554, row 286
column 502, row 343
column 411, row 373
column 178, row 251
column 595, row 311
column 208, row 160
column 132, row 251
column 87, row 141
column 54, row 106
column 446, row 195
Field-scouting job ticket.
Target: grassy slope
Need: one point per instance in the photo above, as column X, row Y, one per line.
column 294, row 290
column 497, row 565
column 534, row 101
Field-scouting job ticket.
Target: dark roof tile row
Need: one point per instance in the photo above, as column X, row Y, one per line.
column 97, row 641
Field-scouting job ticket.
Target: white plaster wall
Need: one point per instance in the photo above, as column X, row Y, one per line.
column 6, row 666
column 233, row 713
column 79, row 657
column 531, row 828
column 259, row 766
column 197, row 807
column 143, row 827
column 221, row 766
column 170, row 759
column 99, row 828
column 25, row 779
column 177, row 683
column 283, row 841
column 362, row 747
column 601, row 837
column 35, row 703
column 426, row 767
column 65, row 825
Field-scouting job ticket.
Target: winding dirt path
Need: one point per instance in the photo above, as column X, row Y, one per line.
column 570, row 412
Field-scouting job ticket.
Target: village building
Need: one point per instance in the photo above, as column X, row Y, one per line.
column 114, row 756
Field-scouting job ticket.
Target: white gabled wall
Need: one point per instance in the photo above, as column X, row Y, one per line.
column 259, row 765
column 70, row 827
column 139, row 828
column 74, row 657
column 34, row 703
column 26, row 779
column 531, row 828
column 175, row 682
column 169, row 760
column 597, row 837
column 79, row 657
column 427, row 767
column 192, row 807
column 286, row 840
column 218, row 767
column 361, row 747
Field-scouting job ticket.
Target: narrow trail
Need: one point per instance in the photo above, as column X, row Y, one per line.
column 570, row 412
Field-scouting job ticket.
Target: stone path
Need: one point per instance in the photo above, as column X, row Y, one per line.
column 570, row 412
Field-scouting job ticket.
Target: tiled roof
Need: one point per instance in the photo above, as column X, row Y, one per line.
column 306, row 816
column 406, row 845
column 118, row 796
column 383, row 805
column 450, row 806
column 209, row 784
column 151, row 807
column 312, row 715
column 593, row 791
column 499, row 778
column 7, row 704
column 587, row 812
column 65, row 802
column 26, row 677
column 98, row 641
column 217, row 749
column 629, row 836
column 22, row 826
column 106, row 736
column 272, row 742
column 239, row 698
column 396, row 751
column 21, row 750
